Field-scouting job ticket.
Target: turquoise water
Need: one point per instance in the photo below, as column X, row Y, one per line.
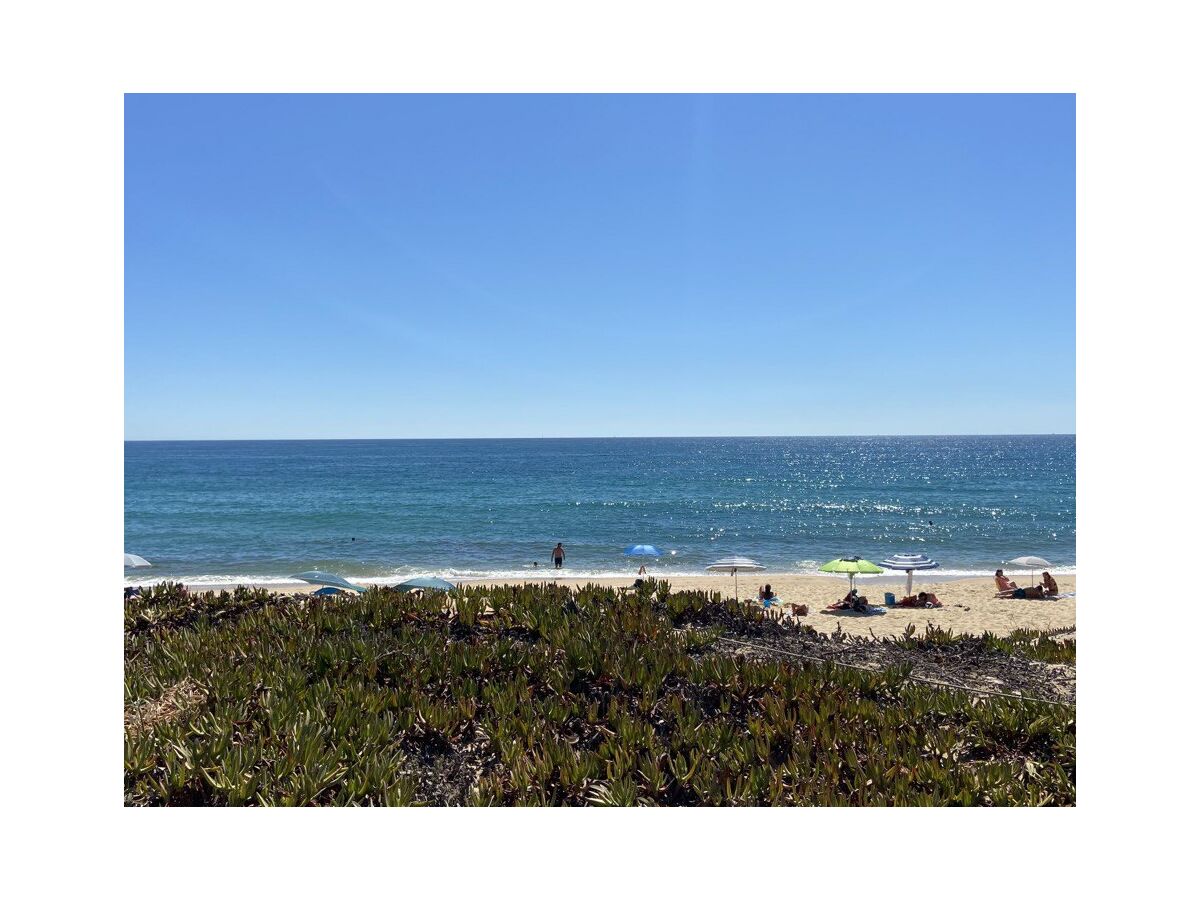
column 232, row 510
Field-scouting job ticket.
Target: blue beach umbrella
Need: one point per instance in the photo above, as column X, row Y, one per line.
column 424, row 584
column 909, row 562
column 328, row 592
column 329, row 580
column 642, row 550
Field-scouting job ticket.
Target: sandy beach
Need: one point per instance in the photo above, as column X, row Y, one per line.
column 969, row 604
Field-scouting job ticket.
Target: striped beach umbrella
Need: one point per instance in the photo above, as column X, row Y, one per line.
column 909, row 562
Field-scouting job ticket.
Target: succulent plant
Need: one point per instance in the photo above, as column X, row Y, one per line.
column 544, row 694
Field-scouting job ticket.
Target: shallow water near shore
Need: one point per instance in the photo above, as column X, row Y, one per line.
column 374, row 511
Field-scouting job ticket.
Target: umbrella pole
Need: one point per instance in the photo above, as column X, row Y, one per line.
column 908, row 593
column 735, row 589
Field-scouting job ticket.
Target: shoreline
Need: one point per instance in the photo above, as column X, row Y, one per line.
column 136, row 578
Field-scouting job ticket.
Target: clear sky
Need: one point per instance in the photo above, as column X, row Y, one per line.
column 494, row 265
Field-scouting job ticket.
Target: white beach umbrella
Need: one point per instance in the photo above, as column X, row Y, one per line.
column 733, row 565
column 133, row 561
column 1031, row 563
column 909, row 562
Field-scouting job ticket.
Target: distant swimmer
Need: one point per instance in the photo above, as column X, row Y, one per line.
column 558, row 555
column 931, row 521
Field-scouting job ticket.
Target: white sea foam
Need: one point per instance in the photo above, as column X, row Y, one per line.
column 804, row 567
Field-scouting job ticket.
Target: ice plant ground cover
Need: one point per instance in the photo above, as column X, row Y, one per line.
column 553, row 695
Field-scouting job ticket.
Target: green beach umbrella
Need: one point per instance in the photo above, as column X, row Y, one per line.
column 851, row 565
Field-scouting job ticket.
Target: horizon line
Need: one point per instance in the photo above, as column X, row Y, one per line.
column 599, row 437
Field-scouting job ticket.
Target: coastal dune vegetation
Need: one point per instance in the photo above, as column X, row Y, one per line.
column 546, row 694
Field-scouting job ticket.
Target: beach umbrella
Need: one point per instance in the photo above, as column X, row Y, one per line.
column 733, row 565
column 424, row 584
column 328, row 592
column 909, row 562
column 329, row 580
column 851, row 565
column 642, row 550
column 1031, row 563
column 133, row 561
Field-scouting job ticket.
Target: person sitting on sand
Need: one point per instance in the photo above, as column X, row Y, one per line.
column 1004, row 584
column 852, row 600
column 1049, row 585
column 767, row 596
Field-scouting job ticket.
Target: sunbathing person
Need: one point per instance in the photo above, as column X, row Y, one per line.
column 1007, row 590
column 924, row 600
column 851, row 601
column 1049, row 585
column 1004, row 584
column 767, row 596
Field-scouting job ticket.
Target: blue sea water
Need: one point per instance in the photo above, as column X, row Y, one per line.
column 218, row 511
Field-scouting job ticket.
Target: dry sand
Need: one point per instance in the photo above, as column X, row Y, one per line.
column 968, row 604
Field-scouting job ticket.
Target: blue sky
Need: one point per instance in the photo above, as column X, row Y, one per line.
column 493, row 265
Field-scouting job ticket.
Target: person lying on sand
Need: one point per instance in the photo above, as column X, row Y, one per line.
column 924, row 600
column 1049, row 585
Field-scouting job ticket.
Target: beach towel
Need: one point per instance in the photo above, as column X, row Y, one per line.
column 868, row 611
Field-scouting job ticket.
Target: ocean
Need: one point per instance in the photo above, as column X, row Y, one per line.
column 382, row 510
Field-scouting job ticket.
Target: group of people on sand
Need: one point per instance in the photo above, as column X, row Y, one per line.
column 853, row 601
column 1006, row 588
column 921, row 600
column 857, row 602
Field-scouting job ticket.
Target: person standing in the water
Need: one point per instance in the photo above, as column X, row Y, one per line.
column 558, row 555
